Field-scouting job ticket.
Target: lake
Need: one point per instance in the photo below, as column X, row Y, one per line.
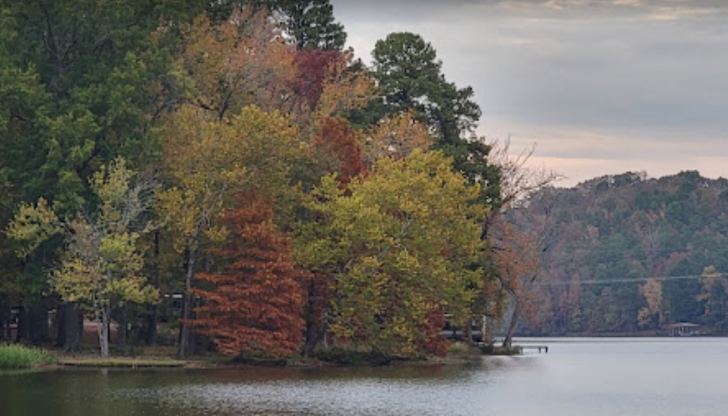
column 596, row 377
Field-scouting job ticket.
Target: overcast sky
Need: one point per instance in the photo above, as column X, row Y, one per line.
column 601, row 86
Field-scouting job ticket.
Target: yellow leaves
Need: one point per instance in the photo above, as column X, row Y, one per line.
column 209, row 161
column 399, row 242
column 344, row 90
column 101, row 257
column 239, row 62
column 113, row 183
column 396, row 136
column 133, row 289
column 32, row 225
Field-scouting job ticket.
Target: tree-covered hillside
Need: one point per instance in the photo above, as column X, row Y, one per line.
column 626, row 253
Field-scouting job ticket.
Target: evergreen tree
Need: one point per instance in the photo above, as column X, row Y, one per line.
column 309, row 22
column 410, row 78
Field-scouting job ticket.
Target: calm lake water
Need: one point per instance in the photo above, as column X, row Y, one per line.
column 595, row 377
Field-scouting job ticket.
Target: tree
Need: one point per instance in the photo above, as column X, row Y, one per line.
column 714, row 294
column 256, row 301
column 235, row 63
column 397, row 246
column 102, row 263
column 313, row 67
column 396, row 136
column 339, row 144
column 410, row 77
column 309, row 23
column 516, row 239
column 651, row 315
column 206, row 162
column 80, row 84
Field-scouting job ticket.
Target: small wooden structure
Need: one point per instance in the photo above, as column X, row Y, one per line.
column 683, row 329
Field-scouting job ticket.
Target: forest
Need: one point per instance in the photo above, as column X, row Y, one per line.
column 225, row 176
column 625, row 254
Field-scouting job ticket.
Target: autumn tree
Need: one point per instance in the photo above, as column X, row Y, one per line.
column 256, row 300
column 313, row 67
column 102, row 263
column 344, row 89
column 340, row 149
column 516, row 239
column 240, row 61
column 396, row 245
column 396, row 136
column 206, row 162
column 651, row 315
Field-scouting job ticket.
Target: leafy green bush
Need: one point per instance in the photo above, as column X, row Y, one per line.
column 20, row 356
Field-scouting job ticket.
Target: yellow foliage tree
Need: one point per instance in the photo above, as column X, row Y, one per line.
column 206, row 161
column 102, row 263
column 398, row 245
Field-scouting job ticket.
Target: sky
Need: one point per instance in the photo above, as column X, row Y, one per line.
column 598, row 86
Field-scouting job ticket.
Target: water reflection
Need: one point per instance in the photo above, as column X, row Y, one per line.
column 668, row 377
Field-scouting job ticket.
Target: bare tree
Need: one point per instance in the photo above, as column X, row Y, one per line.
column 519, row 236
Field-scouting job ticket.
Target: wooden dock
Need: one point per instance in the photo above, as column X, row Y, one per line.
column 539, row 348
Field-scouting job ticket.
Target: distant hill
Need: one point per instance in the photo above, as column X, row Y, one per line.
column 628, row 254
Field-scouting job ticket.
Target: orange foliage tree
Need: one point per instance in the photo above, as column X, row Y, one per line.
column 312, row 67
column 340, row 149
column 238, row 62
column 396, row 136
column 256, row 302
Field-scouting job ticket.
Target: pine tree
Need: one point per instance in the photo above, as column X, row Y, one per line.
column 309, row 22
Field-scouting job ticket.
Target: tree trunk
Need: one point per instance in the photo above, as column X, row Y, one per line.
column 22, row 324
column 313, row 339
column 515, row 315
column 184, row 333
column 70, row 327
column 4, row 322
column 152, row 320
column 121, row 332
column 102, row 320
column 153, row 310
column 469, row 333
column 36, row 324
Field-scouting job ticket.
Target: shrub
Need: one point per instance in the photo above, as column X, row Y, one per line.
column 20, row 356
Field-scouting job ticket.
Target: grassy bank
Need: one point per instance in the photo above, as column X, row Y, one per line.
column 19, row 356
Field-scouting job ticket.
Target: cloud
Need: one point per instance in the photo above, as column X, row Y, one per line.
column 646, row 74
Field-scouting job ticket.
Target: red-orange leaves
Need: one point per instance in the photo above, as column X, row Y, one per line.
column 340, row 146
column 312, row 66
column 257, row 300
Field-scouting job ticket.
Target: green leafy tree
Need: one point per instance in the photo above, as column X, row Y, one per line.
column 397, row 245
column 102, row 262
column 310, row 23
column 714, row 295
column 81, row 82
column 410, row 78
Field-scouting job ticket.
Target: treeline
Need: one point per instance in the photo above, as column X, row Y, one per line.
column 231, row 153
column 626, row 254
